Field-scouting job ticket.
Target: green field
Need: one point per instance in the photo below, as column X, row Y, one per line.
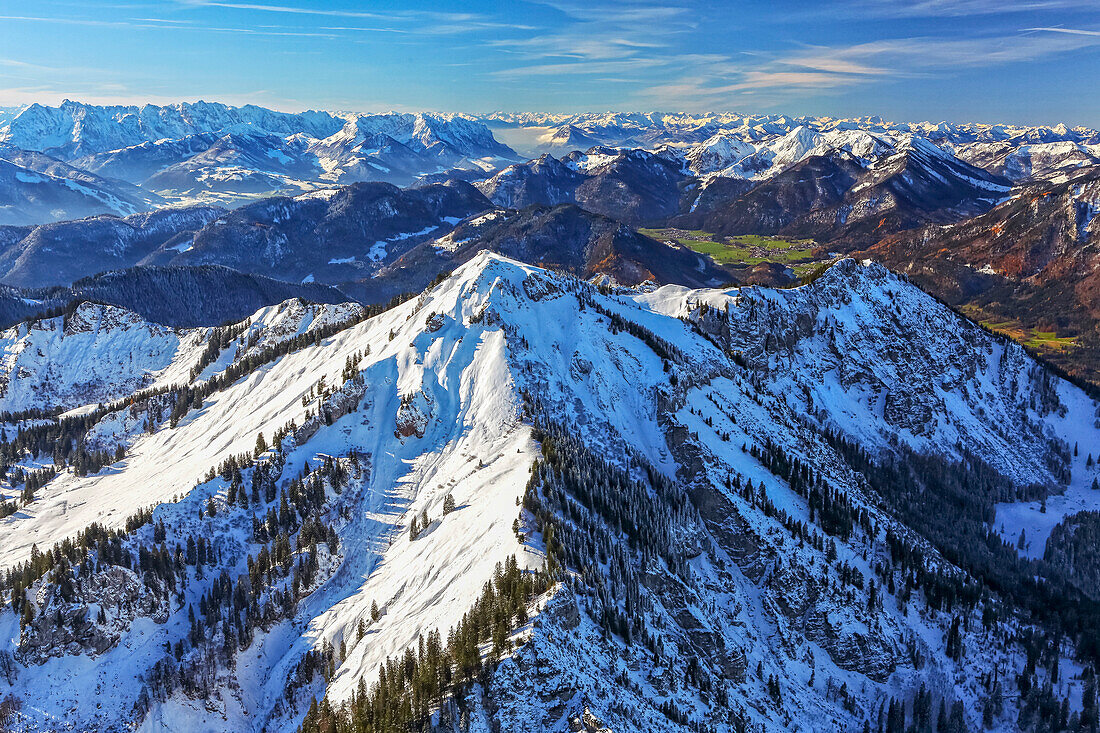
column 1043, row 342
column 746, row 250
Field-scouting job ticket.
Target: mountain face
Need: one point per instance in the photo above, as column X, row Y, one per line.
column 568, row 138
column 564, row 237
column 633, row 186
column 545, row 181
column 137, row 163
column 529, row 503
column 173, row 296
column 189, row 296
column 215, row 154
column 73, row 360
column 58, row 254
column 847, row 200
column 334, row 236
column 36, row 189
column 1035, row 258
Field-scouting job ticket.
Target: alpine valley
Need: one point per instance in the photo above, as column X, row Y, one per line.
column 533, row 422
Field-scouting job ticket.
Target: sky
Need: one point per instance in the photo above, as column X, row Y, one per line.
column 1017, row 61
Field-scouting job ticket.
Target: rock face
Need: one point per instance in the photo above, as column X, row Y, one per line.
column 413, row 415
column 98, row 611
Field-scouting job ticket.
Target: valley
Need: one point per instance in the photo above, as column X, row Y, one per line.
column 746, row 250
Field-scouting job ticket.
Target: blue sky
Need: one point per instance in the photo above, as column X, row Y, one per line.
column 1029, row 61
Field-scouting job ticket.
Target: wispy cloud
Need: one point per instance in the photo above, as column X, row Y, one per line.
column 828, row 69
column 158, row 24
column 1070, row 31
column 962, row 8
column 623, row 40
column 289, row 9
column 420, row 22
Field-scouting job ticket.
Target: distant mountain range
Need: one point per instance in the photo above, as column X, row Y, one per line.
column 315, row 197
column 213, row 153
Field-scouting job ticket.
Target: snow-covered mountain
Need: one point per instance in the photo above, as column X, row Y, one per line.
column 331, row 236
column 834, row 194
column 725, row 154
column 60, row 253
column 213, row 153
column 334, row 235
column 101, row 353
column 634, row 186
column 74, row 129
column 36, row 189
column 1034, row 260
column 654, row 509
column 208, row 153
column 1044, row 161
column 533, row 133
column 182, row 296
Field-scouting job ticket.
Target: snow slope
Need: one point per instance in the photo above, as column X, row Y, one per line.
column 101, row 353
column 438, row 395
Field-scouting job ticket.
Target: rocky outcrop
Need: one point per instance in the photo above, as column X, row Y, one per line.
column 413, row 415
column 91, row 616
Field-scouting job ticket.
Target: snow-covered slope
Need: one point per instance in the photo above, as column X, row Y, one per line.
column 671, row 448
column 214, row 153
column 101, row 353
column 74, row 128
column 35, row 189
column 97, row 353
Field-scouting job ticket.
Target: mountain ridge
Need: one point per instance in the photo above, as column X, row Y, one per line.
column 614, row 416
